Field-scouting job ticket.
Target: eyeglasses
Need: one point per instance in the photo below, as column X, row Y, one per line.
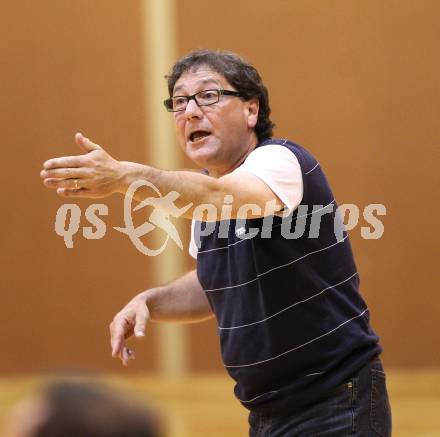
column 202, row 98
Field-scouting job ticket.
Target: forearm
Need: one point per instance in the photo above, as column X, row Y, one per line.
column 192, row 187
column 198, row 189
column 182, row 300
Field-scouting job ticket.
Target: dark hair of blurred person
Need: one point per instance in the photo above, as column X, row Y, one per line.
column 78, row 409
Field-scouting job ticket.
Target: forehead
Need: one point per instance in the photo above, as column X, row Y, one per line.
column 193, row 80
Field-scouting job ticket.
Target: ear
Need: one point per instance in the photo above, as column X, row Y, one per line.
column 253, row 107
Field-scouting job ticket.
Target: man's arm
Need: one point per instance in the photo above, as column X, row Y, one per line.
column 98, row 175
column 182, row 300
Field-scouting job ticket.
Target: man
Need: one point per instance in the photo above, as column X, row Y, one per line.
column 281, row 280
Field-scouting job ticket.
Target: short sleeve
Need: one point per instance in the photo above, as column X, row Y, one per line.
column 192, row 249
column 279, row 168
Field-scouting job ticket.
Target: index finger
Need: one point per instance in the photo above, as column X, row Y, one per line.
column 117, row 337
column 65, row 161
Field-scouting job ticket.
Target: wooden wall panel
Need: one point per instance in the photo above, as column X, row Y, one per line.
column 67, row 67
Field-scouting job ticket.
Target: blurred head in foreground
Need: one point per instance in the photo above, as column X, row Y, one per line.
column 73, row 409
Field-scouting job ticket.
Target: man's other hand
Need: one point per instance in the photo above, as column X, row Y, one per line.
column 130, row 321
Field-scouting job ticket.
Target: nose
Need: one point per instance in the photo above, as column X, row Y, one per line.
column 192, row 110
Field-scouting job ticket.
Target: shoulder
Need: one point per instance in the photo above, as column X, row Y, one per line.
column 304, row 157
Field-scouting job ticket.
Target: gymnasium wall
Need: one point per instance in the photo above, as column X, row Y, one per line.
column 355, row 82
column 70, row 66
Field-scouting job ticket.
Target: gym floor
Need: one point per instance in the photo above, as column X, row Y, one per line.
column 204, row 405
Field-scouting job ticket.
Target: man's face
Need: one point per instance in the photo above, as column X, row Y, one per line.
column 219, row 136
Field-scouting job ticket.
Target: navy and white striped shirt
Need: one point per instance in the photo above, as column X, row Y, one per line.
column 291, row 321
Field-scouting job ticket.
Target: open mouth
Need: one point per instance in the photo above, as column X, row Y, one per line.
column 198, row 135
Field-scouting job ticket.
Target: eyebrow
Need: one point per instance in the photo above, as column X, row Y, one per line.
column 201, row 82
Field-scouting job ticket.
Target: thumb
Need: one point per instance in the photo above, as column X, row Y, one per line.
column 85, row 144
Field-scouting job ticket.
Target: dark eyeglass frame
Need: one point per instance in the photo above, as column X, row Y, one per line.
column 168, row 103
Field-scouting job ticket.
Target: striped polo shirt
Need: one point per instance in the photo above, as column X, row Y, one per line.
column 285, row 292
